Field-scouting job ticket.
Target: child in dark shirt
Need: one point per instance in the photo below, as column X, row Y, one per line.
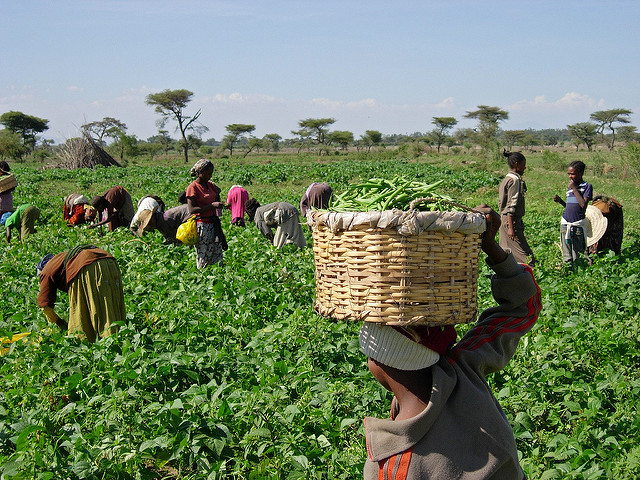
column 573, row 222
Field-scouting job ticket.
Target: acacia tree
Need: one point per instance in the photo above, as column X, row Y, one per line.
column 342, row 137
column 304, row 138
column 443, row 125
column 371, row 138
column 235, row 132
column 488, row 119
column 628, row 133
column 253, row 143
column 126, row 144
column 271, row 142
column 606, row 119
column 27, row 126
column 171, row 104
column 512, row 137
column 583, row 132
column 107, row 127
column 317, row 129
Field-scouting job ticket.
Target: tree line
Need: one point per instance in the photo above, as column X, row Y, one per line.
column 20, row 134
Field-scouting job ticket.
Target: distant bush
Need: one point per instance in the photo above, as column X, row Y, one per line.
column 553, row 161
column 631, row 159
column 412, row 149
column 597, row 164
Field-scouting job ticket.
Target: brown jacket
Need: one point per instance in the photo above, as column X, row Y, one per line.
column 56, row 276
column 462, row 433
column 511, row 195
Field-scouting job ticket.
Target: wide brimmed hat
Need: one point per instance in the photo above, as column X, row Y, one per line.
column 405, row 348
column 146, row 221
column 596, row 224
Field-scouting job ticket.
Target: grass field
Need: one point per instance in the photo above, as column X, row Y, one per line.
column 228, row 373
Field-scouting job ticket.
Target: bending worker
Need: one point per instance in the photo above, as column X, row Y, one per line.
column 92, row 278
column 279, row 215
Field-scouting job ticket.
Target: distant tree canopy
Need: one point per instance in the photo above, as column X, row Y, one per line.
column 488, row 120
column 271, row 142
column 513, row 137
column 628, row 133
column 606, row 119
column 27, row 126
column 443, row 125
column 234, row 132
column 317, row 128
column 343, row 138
column 583, row 132
column 171, row 104
column 11, row 146
column 371, row 138
column 107, row 127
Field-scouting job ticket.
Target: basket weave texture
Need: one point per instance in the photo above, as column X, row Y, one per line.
column 396, row 267
column 7, row 182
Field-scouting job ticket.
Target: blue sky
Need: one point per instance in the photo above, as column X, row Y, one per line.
column 383, row 65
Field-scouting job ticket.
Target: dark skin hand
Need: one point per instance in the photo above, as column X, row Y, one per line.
column 575, row 179
column 494, row 252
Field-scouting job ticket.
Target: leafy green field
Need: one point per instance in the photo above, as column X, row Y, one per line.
column 228, row 373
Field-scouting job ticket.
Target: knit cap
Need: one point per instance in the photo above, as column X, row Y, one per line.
column 406, row 348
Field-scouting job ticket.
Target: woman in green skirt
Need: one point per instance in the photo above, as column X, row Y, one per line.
column 92, row 278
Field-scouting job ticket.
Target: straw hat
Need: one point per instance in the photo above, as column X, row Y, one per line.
column 596, row 224
column 146, row 221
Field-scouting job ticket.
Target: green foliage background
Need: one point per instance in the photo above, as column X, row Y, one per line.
column 228, row 373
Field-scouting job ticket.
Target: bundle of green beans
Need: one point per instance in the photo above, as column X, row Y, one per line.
column 377, row 194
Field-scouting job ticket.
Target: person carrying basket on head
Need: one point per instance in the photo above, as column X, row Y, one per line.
column 445, row 422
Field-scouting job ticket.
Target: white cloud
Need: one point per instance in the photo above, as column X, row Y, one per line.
column 73, row 88
column 448, row 102
column 238, row 98
column 540, row 112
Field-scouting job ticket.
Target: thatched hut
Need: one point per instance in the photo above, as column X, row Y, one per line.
column 84, row 152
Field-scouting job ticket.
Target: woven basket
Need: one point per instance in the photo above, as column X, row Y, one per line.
column 7, row 183
column 397, row 268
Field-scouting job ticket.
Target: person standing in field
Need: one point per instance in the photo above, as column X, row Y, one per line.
column 203, row 199
column 279, row 215
column 573, row 222
column 317, row 196
column 92, row 278
column 445, row 422
column 511, row 195
column 23, row 220
column 115, row 208
column 236, row 198
column 6, row 197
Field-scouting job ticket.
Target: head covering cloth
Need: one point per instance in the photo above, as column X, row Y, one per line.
column 43, row 261
column 200, row 166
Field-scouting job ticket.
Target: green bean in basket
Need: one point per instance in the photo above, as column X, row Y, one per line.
column 377, row 194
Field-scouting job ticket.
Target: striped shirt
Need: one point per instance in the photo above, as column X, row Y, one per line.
column 573, row 212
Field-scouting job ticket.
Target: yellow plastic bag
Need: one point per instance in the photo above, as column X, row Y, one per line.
column 187, row 232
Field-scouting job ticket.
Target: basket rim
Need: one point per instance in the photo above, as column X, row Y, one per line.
column 404, row 222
